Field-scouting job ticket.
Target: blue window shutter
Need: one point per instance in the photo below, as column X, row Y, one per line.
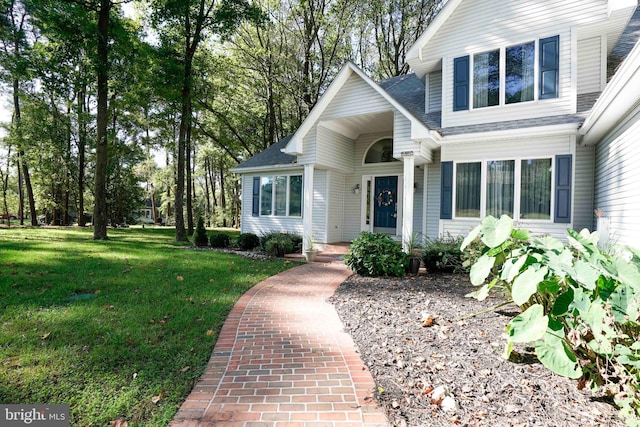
column 563, row 188
column 446, row 190
column 255, row 208
column 549, row 67
column 461, row 83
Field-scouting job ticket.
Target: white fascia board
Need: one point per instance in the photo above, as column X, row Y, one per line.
column 278, row 168
column 339, row 128
column 614, row 5
column 531, row 132
column 415, row 53
column 618, row 97
column 295, row 145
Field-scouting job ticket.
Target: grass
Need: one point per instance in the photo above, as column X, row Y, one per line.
column 121, row 328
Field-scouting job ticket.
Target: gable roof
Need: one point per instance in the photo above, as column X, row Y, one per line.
column 271, row 157
column 419, row 128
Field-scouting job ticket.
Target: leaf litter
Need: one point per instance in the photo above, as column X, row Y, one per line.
column 412, row 339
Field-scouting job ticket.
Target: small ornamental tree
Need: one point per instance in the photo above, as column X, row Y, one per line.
column 581, row 306
column 200, row 234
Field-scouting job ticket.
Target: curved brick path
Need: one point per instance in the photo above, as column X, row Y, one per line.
column 282, row 359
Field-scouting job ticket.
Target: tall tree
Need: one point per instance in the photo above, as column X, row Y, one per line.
column 193, row 19
column 13, row 28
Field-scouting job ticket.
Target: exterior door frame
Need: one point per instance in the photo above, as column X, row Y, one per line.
column 366, row 186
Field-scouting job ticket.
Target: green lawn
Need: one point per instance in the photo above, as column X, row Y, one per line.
column 121, row 328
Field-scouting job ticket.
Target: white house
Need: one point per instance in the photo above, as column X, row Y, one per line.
column 508, row 111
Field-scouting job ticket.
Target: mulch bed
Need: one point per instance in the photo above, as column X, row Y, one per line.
column 386, row 318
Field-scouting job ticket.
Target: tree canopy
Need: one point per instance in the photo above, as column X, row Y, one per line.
column 102, row 88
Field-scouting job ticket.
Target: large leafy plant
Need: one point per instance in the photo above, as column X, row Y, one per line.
column 581, row 306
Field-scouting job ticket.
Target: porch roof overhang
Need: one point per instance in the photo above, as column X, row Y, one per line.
column 419, row 131
column 268, row 168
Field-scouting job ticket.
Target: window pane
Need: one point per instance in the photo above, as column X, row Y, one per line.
column 519, row 73
column 535, row 189
column 266, row 195
column 281, row 196
column 295, row 195
column 500, row 187
column 468, row 190
column 486, row 79
column 381, row 152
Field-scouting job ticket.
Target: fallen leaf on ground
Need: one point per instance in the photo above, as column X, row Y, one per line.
column 180, row 278
column 119, row 422
column 185, row 369
column 156, row 399
column 211, row 333
column 45, row 336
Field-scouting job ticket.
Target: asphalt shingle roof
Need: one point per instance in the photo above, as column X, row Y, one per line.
column 272, row 156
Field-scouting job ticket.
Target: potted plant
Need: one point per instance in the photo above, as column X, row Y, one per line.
column 310, row 251
column 414, row 254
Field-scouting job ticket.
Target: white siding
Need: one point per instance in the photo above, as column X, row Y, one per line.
column 355, row 97
column 336, row 198
column 261, row 225
column 507, row 148
column 510, row 22
column 402, row 136
column 433, row 197
column 334, row 150
column 320, row 205
column 435, row 91
column 583, row 188
column 589, row 65
column 617, row 188
column 462, row 227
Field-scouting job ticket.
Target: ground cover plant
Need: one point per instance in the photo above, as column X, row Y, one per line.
column 581, row 305
column 116, row 329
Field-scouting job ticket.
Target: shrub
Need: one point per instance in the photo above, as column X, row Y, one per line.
column 279, row 244
column 376, row 254
column 581, row 306
column 248, row 241
column 219, row 240
column 200, row 234
column 443, row 255
column 295, row 239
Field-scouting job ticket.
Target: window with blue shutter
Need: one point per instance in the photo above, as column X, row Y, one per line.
column 549, row 67
column 255, row 207
column 563, row 188
column 446, row 190
column 461, row 83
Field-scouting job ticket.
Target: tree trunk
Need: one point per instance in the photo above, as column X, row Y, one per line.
column 25, row 168
column 187, row 151
column 223, row 200
column 206, row 191
column 100, row 192
column 20, row 191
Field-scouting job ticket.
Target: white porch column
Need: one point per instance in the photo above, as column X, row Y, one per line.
column 307, row 214
column 407, row 200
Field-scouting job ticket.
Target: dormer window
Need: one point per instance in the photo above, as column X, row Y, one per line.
column 507, row 75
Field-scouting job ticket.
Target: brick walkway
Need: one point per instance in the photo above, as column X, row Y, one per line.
column 282, row 359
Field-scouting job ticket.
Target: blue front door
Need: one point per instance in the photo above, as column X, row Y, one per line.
column 385, row 200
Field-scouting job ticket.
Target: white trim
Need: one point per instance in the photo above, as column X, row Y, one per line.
column 307, row 202
column 366, row 151
column 539, row 131
column 574, row 69
column 409, row 161
column 268, row 169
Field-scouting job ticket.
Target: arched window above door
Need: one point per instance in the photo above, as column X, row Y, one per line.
column 380, row 152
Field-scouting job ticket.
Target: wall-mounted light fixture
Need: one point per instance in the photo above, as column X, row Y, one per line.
column 356, row 189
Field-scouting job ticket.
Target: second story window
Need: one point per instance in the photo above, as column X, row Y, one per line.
column 507, row 75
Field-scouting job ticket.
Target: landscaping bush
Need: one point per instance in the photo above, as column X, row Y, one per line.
column 376, row 254
column 219, row 240
column 248, row 241
column 581, row 306
column 200, row 234
column 443, row 255
column 279, row 244
column 295, row 239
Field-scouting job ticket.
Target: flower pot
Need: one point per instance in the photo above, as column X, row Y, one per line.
column 414, row 265
column 310, row 256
